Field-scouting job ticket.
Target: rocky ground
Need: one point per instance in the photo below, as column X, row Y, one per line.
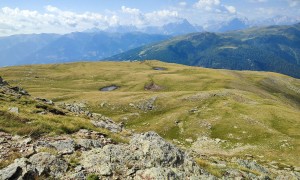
column 88, row 154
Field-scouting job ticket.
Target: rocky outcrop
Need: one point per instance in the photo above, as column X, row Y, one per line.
column 77, row 108
column 97, row 119
column 147, row 105
column 15, row 91
column 39, row 165
column 104, row 122
column 152, row 87
column 147, row 155
column 2, row 82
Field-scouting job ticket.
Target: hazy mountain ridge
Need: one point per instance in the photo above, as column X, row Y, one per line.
column 14, row 49
column 79, row 46
column 273, row 48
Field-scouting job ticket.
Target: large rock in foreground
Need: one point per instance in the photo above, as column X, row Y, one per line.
column 147, row 156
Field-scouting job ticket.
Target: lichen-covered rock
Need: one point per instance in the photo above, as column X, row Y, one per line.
column 88, row 144
column 101, row 121
column 146, row 155
column 64, row 146
column 14, row 170
column 252, row 165
column 48, row 164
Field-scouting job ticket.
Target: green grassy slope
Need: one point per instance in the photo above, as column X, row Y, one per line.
column 274, row 48
column 256, row 113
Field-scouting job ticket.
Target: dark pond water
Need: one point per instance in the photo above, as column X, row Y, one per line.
column 109, row 88
column 159, row 68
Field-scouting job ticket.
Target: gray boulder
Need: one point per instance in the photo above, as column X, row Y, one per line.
column 14, row 170
column 47, row 164
column 147, row 155
column 101, row 121
column 64, row 146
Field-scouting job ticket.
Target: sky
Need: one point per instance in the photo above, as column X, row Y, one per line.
column 64, row 16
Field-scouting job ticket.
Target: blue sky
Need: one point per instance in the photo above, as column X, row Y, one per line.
column 63, row 16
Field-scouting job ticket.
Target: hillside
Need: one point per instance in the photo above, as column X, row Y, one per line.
column 213, row 112
column 274, row 48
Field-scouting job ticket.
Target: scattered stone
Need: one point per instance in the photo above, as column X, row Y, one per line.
column 147, row 105
column 194, row 110
column 78, row 108
column 189, row 140
column 131, row 105
column 46, row 101
column 14, row 110
column 218, row 140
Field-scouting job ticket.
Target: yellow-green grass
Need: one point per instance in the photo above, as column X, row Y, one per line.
column 28, row 121
column 260, row 109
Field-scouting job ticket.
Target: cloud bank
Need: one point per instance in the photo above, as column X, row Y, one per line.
column 202, row 12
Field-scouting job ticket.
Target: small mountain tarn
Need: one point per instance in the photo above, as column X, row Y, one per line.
column 159, row 68
column 109, row 88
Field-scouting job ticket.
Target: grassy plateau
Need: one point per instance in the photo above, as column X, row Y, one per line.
column 255, row 113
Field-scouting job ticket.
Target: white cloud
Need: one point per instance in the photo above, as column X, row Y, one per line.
column 164, row 13
column 230, row 9
column 293, row 3
column 215, row 6
column 183, row 3
column 54, row 20
column 130, row 10
column 50, row 8
column 258, row 1
column 161, row 17
column 207, row 4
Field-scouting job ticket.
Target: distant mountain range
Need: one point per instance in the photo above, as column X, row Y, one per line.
column 175, row 28
column 183, row 26
column 273, row 48
column 79, row 46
